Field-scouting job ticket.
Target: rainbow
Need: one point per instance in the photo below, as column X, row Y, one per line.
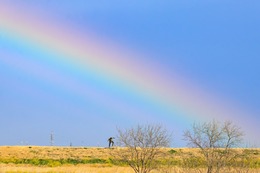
column 112, row 69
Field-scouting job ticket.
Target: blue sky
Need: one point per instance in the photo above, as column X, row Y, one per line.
column 215, row 43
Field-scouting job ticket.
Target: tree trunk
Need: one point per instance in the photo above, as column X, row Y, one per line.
column 209, row 169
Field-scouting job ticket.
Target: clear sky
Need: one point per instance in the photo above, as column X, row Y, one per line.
column 81, row 69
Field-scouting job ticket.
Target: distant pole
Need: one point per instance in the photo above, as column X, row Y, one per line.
column 52, row 138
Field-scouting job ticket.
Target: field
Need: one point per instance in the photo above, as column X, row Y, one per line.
column 36, row 159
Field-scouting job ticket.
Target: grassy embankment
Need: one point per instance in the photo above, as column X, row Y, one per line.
column 86, row 159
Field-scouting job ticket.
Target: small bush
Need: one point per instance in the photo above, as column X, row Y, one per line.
column 172, row 151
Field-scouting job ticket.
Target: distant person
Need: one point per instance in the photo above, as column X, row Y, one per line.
column 110, row 142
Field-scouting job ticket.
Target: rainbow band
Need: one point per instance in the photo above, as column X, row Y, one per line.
column 114, row 67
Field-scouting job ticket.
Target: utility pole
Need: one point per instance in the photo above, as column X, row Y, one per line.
column 52, row 138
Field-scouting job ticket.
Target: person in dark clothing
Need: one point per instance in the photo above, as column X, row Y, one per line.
column 110, row 142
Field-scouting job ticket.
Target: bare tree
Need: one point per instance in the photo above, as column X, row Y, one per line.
column 215, row 141
column 142, row 146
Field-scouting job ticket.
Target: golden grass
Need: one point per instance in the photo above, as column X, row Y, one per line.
column 30, row 152
column 7, row 168
column 44, row 152
column 47, row 152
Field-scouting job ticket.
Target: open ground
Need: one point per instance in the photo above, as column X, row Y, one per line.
column 43, row 159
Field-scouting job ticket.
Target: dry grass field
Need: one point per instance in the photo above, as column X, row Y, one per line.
column 40, row 159
column 63, row 169
column 42, row 152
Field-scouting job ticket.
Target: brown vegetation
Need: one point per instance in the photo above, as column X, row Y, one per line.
column 177, row 157
column 31, row 152
column 142, row 147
